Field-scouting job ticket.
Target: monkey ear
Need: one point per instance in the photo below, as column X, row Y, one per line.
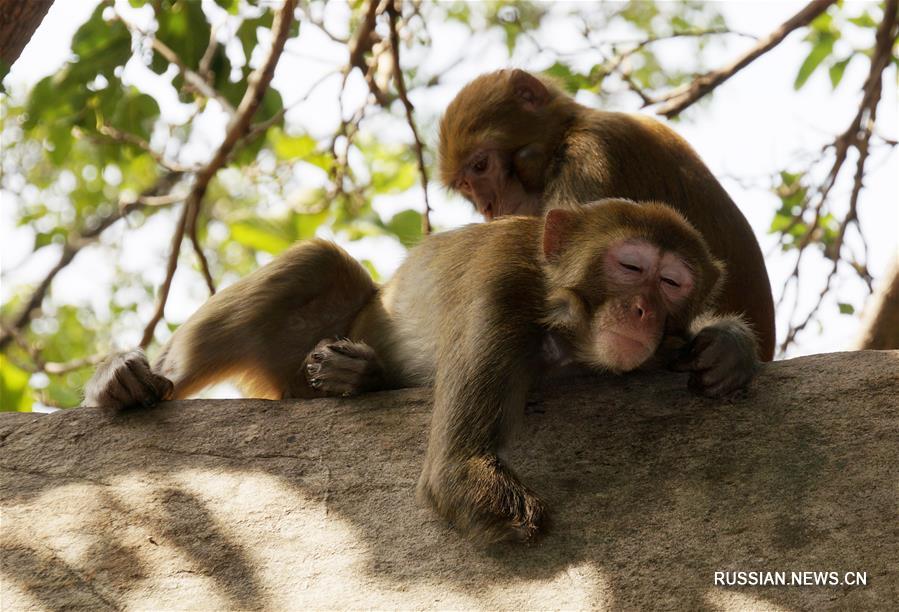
column 529, row 90
column 557, row 228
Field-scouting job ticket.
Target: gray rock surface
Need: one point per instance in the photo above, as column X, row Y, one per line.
column 287, row 505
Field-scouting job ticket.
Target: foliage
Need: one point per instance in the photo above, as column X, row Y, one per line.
column 123, row 127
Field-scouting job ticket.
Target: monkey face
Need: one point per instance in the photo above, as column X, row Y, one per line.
column 489, row 179
column 643, row 286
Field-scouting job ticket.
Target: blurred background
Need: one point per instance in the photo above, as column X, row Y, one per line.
column 137, row 176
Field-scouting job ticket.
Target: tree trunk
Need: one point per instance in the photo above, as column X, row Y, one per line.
column 293, row 505
column 18, row 21
column 882, row 314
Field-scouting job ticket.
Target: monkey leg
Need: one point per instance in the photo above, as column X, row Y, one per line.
column 256, row 332
column 344, row 368
column 125, row 379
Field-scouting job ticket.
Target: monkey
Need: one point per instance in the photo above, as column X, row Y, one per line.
column 514, row 143
column 470, row 313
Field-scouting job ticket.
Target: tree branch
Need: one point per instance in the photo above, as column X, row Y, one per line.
column 679, row 99
column 857, row 135
column 257, row 84
column 72, row 248
column 393, row 13
column 18, row 21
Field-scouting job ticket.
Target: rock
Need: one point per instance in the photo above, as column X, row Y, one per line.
column 245, row 504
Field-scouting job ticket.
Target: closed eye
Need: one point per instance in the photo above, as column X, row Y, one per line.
column 670, row 281
column 630, row 267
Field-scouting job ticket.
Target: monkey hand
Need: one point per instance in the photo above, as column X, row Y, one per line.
column 721, row 358
column 486, row 501
column 343, row 368
column 124, row 380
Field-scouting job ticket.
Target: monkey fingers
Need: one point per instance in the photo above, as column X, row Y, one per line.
column 721, row 360
column 490, row 504
column 126, row 380
column 343, row 368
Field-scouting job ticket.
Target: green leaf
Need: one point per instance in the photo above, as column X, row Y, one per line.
column 184, row 29
column 789, row 178
column 306, row 224
column 864, row 20
column 822, row 23
column 291, row 147
column 231, row 6
column 819, row 52
column 261, row 235
column 846, row 309
column 101, row 46
column 406, row 226
column 836, row 71
column 15, row 395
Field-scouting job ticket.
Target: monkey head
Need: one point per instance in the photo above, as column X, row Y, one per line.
column 621, row 276
column 497, row 138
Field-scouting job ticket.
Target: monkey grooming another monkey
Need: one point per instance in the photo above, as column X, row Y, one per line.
column 469, row 312
column 515, row 144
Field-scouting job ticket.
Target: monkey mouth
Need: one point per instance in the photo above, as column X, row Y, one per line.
column 621, row 352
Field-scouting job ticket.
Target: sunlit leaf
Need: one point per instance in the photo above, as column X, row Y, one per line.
column 260, row 235
column 836, row 71
column 183, row 27
column 820, row 50
column 15, row 395
column 307, row 224
column 864, row 20
column 406, row 226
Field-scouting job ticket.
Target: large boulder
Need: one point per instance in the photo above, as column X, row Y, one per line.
column 224, row 504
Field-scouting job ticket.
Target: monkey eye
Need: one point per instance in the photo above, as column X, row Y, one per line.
column 630, row 267
column 670, row 281
column 479, row 165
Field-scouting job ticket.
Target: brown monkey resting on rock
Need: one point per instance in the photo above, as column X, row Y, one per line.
column 471, row 312
column 515, row 144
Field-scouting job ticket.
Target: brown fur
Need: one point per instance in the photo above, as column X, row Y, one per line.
column 469, row 312
column 566, row 155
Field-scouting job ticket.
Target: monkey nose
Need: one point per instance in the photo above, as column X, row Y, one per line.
column 641, row 310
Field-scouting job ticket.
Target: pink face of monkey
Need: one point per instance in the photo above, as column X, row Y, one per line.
column 645, row 286
column 621, row 276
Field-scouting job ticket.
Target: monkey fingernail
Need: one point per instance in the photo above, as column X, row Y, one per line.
column 315, row 383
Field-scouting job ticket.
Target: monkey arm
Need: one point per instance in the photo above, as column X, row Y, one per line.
column 721, row 356
column 478, row 398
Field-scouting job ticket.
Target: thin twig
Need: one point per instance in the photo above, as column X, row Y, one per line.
column 71, row 249
column 679, row 99
column 393, row 13
column 257, row 84
column 192, row 78
column 857, row 135
column 116, row 135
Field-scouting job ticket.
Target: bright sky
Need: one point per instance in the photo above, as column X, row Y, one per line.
column 756, row 126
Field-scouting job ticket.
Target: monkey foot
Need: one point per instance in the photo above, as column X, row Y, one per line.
column 494, row 505
column 342, row 368
column 125, row 380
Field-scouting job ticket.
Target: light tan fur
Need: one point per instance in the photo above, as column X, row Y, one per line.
column 469, row 312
